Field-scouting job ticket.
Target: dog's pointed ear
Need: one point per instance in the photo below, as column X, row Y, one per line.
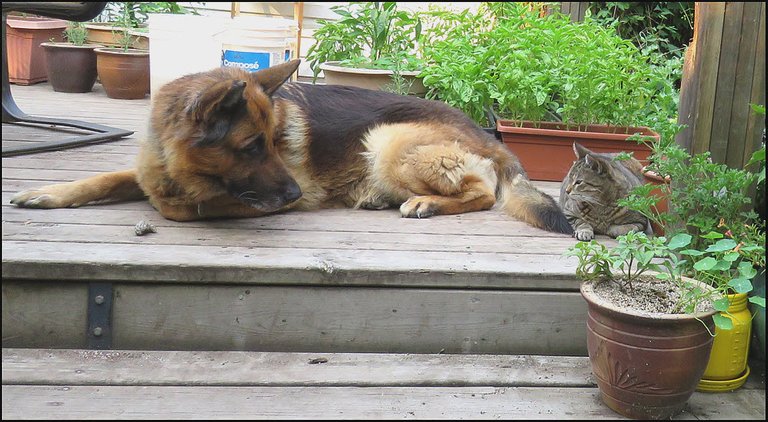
column 215, row 109
column 233, row 97
column 274, row 77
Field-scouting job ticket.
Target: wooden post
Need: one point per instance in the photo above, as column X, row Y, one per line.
column 576, row 9
column 724, row 71
column 298, row 15
column 234, row 9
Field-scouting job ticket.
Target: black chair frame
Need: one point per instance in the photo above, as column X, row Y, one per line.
column 73, row 11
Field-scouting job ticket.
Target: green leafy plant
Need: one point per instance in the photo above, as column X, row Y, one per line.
column 369, row 35
column 636, row 255
column 527, row 66
column 713, row 204
column 132, row 14
column 76, row 33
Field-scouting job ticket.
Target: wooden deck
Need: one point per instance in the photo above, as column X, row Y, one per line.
column 469, row 316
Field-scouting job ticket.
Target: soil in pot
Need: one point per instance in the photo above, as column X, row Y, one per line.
column 71, row 68
column 647, row 364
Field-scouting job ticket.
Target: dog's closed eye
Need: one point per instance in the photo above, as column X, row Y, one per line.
column 256, row 145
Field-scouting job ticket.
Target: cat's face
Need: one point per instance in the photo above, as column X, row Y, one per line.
column 590, row 174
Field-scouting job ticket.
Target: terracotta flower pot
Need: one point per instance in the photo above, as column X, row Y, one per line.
column 23, row 36
column 662, row 205
column 377, row 79
column 545, row 149
column 647, row 366
column 124, row 74
column 71, row 68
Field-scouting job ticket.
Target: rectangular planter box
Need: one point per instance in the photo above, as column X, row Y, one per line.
column 26, row 59
column 107, row 34
column 545, row 149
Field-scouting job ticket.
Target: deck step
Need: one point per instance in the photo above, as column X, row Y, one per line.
column 89, row 384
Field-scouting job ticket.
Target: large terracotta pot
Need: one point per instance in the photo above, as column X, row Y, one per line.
column 23, row 36
column 124, row 74
column 377, row 79
column 71, row 68
column 545, row 149
column 647, row 366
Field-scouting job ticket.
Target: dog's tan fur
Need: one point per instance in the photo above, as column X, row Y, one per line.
column 229, row 144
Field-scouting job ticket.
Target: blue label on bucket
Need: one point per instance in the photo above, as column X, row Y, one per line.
column 245, row 60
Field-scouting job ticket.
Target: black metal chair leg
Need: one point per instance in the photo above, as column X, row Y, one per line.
column 12, row 113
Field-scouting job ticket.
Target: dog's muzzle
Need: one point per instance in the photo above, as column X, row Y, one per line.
column 264, row 199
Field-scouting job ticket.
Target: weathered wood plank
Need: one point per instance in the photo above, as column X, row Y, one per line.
column 486, row 223
column 306, row 318
column 132, row 367
column 109, row 234
column 756, row 122
column 362, row 403
column 726, row 84
column 743, row 85
column 237, row 264
column 711, row 34
column 56, row 311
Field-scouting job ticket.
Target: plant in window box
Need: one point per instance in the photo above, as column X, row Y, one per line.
column 372, row 45
column 649, row 328
column 72, row 64
column 551, row 81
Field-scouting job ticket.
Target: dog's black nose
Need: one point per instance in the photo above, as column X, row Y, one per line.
column 292, row 192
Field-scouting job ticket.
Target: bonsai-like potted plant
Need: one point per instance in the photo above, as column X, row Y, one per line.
column 124, row 70
column 372, row 45
column 649, row 328
column 551, row 82
column 71, row 64
column 24, row 34
column 711, row 202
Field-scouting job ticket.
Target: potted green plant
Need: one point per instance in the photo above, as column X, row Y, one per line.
column 24, row 34
column 649, row 328
column 71, row 64
column 551, row 82
column 133, row 15
column 711, row 202
column 372, row 45
column 123, row 70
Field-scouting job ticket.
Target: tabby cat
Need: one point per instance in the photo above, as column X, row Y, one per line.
column 590, row 191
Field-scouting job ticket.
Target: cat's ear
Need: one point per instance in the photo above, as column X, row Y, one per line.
column 598, row 165
column 580, row 151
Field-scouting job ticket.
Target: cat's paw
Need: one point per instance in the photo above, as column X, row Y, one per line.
column 584, row 235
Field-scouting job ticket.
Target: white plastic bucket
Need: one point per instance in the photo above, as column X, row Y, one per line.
column 253, row 43
column 183, row 44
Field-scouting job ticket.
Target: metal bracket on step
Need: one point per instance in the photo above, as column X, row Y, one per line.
column 99, row 332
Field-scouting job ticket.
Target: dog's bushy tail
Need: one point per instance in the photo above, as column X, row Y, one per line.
column 519, row 198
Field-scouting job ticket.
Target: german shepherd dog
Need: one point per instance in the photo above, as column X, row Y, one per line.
column 230, row 144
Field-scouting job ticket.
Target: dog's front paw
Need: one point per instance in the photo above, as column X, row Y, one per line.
column 418, row 207
column 38, row 198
